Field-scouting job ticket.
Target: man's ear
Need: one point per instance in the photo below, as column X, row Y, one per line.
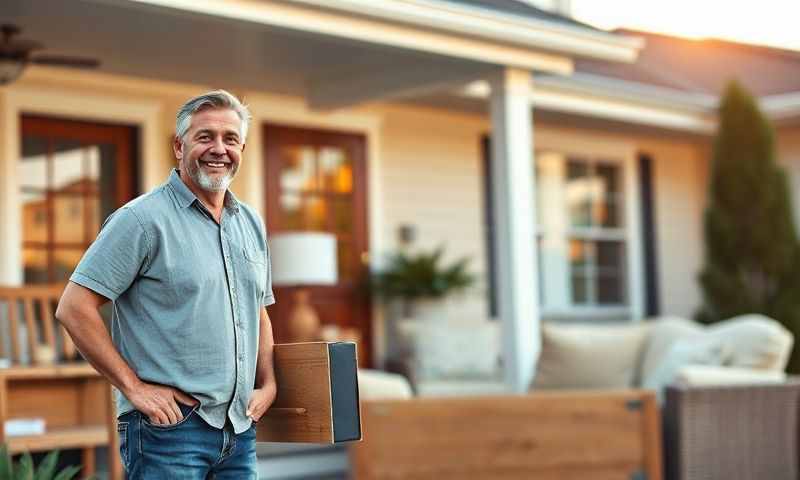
column 177, row 147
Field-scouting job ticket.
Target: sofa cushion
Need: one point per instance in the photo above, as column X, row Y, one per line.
column 452, row 349
column 378, row 385
column 682, row 353
column 664, row 332
column 709, row 375
column 757, row 341
column 589, row 355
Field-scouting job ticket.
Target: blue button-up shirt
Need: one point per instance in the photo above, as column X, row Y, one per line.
column 187, row 294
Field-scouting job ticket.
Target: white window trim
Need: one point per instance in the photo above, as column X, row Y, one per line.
column 582, row 145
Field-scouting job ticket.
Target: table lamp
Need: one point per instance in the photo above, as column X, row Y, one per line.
column 303, row 259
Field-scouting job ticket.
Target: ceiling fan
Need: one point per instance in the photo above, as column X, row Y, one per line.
column 15, row 55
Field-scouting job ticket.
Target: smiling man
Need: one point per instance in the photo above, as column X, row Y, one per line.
column 187, row 268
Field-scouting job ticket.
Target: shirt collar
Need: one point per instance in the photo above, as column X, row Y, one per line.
column 186, row 197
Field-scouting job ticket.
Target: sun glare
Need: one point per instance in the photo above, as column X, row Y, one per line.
column 770, row 22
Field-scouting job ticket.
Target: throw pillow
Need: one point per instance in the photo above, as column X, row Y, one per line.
column 580, row 356
column 682, row 353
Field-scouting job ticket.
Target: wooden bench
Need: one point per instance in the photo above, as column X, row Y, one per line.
column 550, row 435
column 70, row 396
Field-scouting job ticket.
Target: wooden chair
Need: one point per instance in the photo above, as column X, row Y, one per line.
column 72, row 398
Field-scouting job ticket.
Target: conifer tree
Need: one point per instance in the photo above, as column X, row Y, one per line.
column 752, row 256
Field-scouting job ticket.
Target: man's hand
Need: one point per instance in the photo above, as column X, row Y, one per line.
column 261, row 400
column 159, row 402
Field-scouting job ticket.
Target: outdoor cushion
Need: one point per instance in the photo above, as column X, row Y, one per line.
column 589, row 356
column 664, row 332
column 757, row 341
column 708, row 375
column 682, row 353
column 377, row 385
column 453, row 348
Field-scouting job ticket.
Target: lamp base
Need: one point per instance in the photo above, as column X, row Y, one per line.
column 303, row 321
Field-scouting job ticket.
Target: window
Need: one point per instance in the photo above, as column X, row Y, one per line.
column 582, row 232
column 71, row 176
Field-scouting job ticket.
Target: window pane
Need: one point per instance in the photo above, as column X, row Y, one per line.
column 343, row 215
column 68, row 166
column 580, row 294
column 107, row 180
column 34, row 265
column 303, row 212
column 579, row 192
column 32, row 170
column 579, row 252
column 65, row 260
column 69, row 219
column 345, row 258
column 34, row 217
column 299, row 171
column 607, row 207
column 610, row 257
column 336, row 170
column 610, row 289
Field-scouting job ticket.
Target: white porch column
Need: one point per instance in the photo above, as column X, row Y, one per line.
column 514, row 234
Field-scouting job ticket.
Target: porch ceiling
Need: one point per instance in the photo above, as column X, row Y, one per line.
column 166, row 44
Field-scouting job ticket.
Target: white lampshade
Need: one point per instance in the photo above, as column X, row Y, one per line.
column 303, row 258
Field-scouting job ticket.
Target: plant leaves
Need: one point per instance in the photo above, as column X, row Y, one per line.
column 68, row 473
column 47, row 467
column 6, row 467
column 24, row 470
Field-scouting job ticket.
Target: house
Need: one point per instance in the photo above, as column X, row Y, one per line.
column 570, row 163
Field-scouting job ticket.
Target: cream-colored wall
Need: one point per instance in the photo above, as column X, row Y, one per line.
column 680, row 176
column 432, row 182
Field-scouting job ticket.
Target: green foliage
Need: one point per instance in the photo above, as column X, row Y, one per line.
column 411, row 277
column 25, row 470
column 752, row 262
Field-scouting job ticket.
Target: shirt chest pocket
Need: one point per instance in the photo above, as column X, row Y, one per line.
column 251, row 266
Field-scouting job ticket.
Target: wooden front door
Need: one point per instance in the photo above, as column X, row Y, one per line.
column 72, row 175
column 316, row 181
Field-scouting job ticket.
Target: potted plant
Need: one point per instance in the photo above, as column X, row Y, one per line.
column 421, row 282
column 25, row 470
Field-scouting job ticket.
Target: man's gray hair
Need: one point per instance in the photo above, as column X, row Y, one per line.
column 213, row 99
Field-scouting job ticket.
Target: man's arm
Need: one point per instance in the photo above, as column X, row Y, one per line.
column 78, row 311
column 265, row 387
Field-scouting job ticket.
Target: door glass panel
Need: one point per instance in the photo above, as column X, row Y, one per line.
column 34, row 217
column 68, row 166
column 34, row 265
column 32, row 169
column 303, row 212
column 69, row 218
column 299, row 171
column 336, row 170
column 343, row 215
column 65, row 260
column 69, row 182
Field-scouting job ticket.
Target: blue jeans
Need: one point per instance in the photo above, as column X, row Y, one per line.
column 190, row 449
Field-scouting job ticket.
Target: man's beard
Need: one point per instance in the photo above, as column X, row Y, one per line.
column 206, row 182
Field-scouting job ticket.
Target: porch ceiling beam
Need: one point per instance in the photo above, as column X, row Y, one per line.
column 330, row 92
column 310, row 19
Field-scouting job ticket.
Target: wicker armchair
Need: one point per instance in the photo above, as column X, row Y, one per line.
column 735, row 432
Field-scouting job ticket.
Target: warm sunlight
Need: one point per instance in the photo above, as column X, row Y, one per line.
column 770, row 22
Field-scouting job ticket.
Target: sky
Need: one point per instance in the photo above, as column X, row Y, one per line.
column 767, row 22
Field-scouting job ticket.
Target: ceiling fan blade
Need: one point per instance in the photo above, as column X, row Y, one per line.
column 64, row 61
column 19, row 47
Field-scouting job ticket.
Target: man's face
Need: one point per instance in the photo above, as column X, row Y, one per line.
column 211, row 150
